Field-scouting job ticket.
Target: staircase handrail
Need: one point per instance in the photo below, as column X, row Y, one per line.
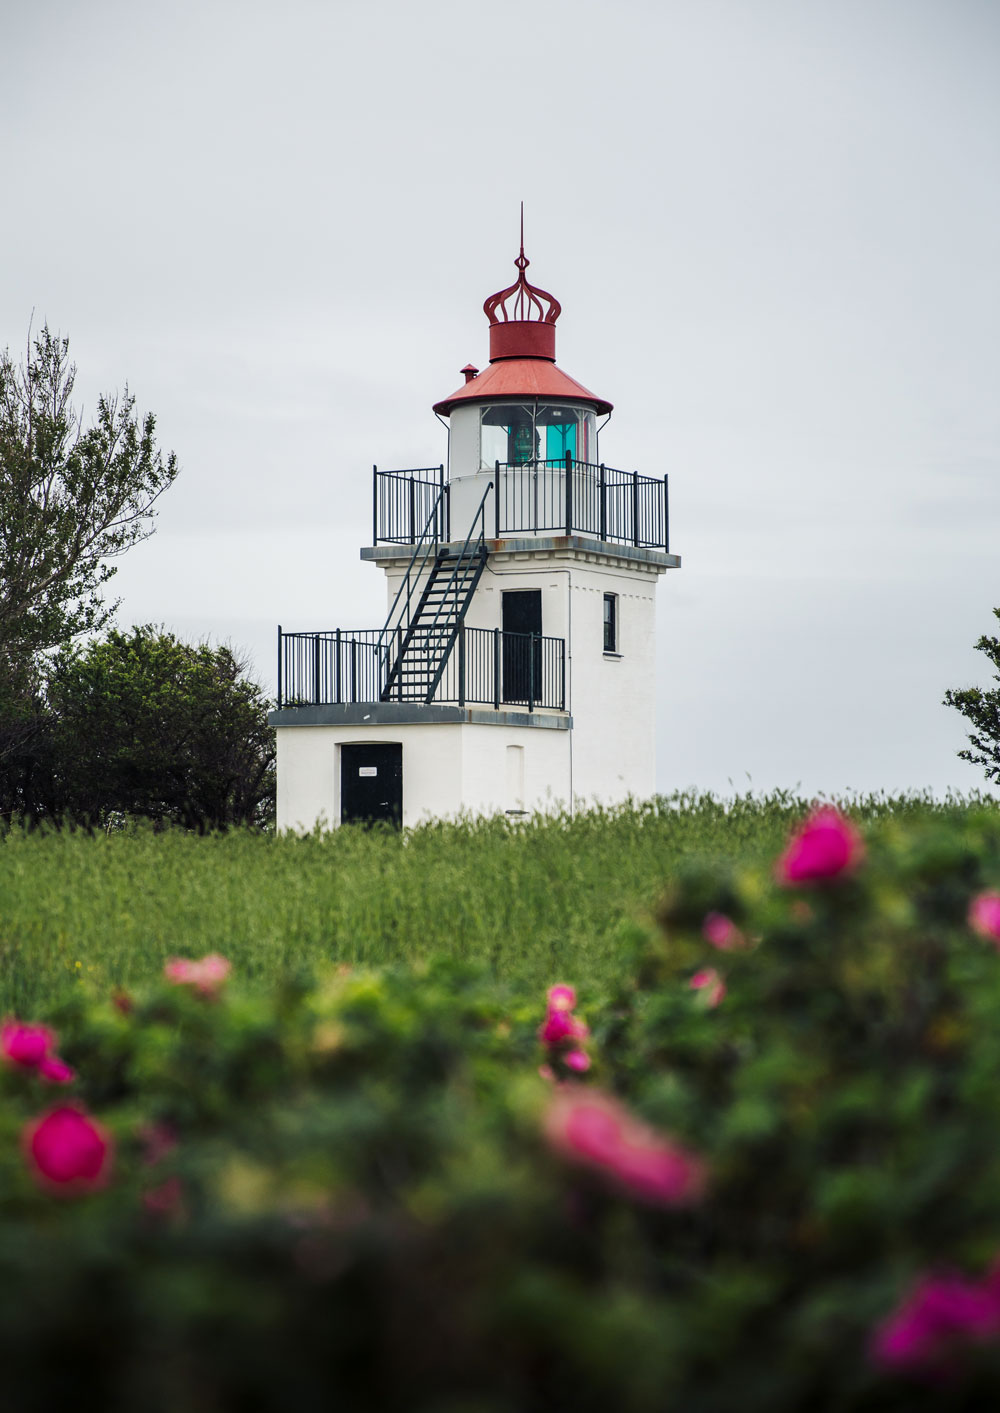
column 425, row 545
column 460, row 564
column 463, row 559
column 463, row 556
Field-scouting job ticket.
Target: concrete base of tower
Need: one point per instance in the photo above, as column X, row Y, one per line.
column 409, row 764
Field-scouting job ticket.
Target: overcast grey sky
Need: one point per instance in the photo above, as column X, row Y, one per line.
column 773, row 227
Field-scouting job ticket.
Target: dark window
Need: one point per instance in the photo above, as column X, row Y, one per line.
column 610, row 623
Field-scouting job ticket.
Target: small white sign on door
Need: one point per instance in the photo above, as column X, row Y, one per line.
column 368, row 770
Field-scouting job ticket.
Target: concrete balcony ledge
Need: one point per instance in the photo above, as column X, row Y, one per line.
column 417, row 714
column 578, row 546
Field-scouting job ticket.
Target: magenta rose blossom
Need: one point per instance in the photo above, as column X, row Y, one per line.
column 206, row 976
column 25, row 1045
column 984, row 915
column 56, row 1071
column 939, row 1316
column 721, row 932
column 32, row 1047
column 562, row 1034
column 594, row 1130
column 825, row 847
column 68, row 1150
column 559, row 1026
column 711, row 983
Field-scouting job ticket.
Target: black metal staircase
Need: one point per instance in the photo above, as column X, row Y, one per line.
column 427, row 635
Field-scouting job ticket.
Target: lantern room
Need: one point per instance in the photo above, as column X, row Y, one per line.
column 523, row 410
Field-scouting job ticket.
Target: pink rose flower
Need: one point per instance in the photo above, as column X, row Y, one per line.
column 594, row 1130
column 561, row 998
column 558, row 1026
column 939, row 1315
column 826, row 846
column 56, row 1071
column 68, row 1151
column 25, row 1045
column 709, row 981
column 720, row 931
column 562, row 1033
column 206, row 976
column 32, row 1047
column 984, row 915
column 179, row 970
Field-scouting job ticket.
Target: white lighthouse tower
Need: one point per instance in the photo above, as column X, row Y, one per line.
column 515, row 670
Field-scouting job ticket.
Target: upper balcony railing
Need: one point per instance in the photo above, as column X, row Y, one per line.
column 402, row 502
column 563, row 497
column 577, row 497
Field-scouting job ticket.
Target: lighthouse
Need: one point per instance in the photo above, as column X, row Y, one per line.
column 515, row 669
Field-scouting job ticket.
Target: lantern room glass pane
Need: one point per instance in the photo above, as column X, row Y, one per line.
column 518, row 434
column 508, row 435
column 558, row 427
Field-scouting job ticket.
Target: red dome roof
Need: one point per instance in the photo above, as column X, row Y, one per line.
column 522, row 351
column 522, row 377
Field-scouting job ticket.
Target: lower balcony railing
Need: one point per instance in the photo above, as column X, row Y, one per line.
column 486, row 667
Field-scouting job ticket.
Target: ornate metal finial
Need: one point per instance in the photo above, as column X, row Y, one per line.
column 526, row 298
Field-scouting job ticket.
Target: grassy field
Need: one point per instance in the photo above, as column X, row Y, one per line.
column 530, row 900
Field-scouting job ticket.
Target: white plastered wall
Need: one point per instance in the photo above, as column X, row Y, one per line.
column 612, row 699
column 448, row 769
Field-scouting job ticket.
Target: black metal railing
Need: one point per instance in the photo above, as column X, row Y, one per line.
column 421, row 567
column 563, row 496
column 487, row 668
column 441, row 608
column 579, row 497
column 402, row 501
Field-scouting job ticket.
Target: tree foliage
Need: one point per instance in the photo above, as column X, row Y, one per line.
column 136, row 724
column 71, row 498
column 981, row 709
column 143, row 724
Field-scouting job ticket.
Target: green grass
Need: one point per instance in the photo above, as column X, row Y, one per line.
column 534, row 901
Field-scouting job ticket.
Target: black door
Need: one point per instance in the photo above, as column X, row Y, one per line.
column 371, row 784
column 522, row 654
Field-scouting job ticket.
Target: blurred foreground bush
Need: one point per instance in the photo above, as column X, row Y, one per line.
column 361, row 1193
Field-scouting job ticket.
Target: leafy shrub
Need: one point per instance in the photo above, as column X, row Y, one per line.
column 776, row 1190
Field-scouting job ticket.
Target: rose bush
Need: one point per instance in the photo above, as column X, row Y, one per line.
column 357, row 1190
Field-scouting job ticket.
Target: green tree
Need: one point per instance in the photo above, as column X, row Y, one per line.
column 981, row 709
column 71, row 499
column 143, row 724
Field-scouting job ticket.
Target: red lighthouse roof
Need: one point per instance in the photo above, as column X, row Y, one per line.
column 522, row 351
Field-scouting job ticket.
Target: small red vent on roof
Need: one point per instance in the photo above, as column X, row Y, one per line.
column 470, row 370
